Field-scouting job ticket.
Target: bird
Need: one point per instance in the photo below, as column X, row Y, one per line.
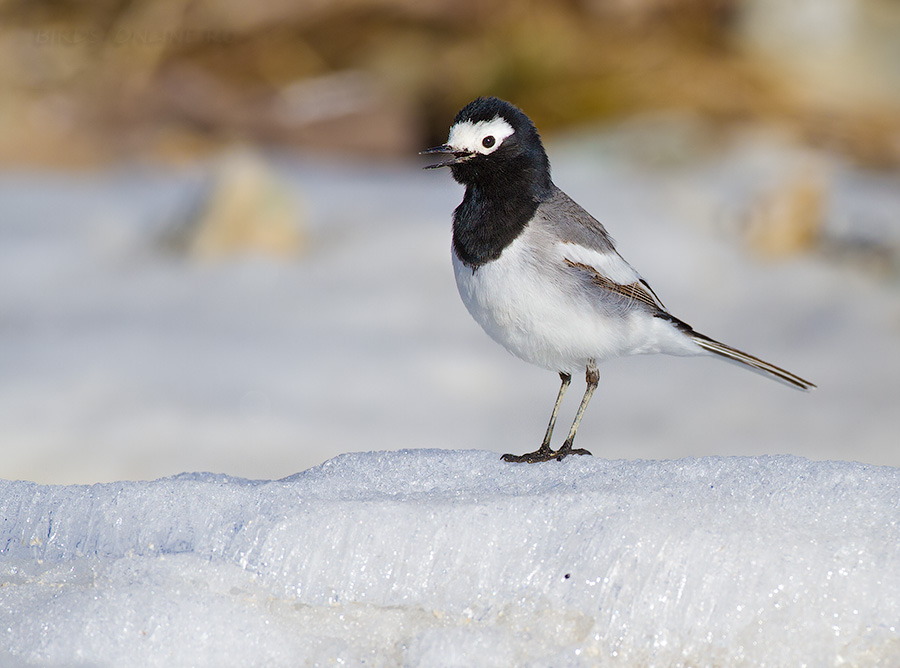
column 543, row 277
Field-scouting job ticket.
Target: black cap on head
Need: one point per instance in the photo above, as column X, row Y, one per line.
column 487, row 108
column 521, row 156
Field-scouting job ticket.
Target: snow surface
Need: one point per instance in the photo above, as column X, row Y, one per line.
column 454, row 558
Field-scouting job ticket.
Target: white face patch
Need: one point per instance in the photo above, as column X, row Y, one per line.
column 482, row 137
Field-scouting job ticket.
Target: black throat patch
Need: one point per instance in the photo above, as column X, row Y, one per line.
column 496, row 208
column 483, row 226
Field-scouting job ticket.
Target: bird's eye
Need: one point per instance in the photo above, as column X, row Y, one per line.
column 488, row 141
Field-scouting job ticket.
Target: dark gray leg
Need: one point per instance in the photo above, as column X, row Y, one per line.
column 592, row 378
column 566, row 379
column 545, row 453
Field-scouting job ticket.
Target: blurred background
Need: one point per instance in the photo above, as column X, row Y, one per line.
column 218, row 251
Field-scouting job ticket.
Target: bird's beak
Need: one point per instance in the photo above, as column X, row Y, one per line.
column 446, row 149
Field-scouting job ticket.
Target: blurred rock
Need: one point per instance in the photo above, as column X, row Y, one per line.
column 789, row 219
column 245, row 209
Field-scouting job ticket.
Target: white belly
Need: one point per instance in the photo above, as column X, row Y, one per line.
column 544, row 315
column 532, row 316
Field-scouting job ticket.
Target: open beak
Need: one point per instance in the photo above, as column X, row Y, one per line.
column 446, row 149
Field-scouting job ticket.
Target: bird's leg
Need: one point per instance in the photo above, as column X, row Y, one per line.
column 544, row 453
column 566, row 379
column 592, row 378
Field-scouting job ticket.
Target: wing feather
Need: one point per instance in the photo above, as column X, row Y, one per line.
column 639, row 291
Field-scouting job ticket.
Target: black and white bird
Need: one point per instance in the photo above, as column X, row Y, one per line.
column 542, row 276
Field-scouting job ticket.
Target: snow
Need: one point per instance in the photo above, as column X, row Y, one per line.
column 454, row 558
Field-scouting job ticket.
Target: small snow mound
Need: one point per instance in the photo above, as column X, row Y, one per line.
column 442, row 558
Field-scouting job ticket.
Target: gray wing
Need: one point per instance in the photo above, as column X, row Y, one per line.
column 639, row 291
column 576, row 231
column 572, row 224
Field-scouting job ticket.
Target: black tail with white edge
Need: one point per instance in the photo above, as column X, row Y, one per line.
column 753, row 363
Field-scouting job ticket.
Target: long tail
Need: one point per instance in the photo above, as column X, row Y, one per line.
column 749, row 361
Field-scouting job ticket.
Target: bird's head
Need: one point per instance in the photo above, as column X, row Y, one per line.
column 491, row 139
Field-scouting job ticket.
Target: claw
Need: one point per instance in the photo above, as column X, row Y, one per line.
column 545, row 454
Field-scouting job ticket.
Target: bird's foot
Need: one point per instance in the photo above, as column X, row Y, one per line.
column 545, row 454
